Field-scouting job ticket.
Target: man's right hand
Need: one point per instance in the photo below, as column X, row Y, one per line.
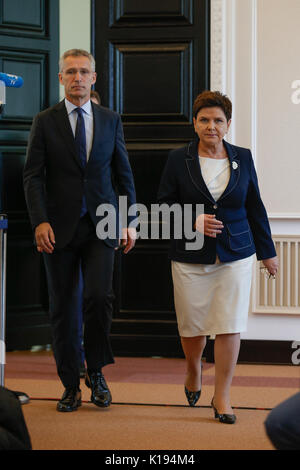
column 44, row 237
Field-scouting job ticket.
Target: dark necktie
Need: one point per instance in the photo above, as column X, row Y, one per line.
column 80, row 142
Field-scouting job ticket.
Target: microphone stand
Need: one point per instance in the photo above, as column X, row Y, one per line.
column 23, row 397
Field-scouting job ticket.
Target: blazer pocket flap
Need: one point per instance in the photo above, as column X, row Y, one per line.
column 238, row 228
column 239, row 235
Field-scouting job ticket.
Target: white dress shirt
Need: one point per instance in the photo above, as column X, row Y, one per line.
column 88, row 122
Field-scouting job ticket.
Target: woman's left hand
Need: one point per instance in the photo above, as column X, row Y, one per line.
column 271, row 264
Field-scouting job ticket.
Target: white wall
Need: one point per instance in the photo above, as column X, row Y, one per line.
column 74, row 27
column 255, row 61
column 278, row 118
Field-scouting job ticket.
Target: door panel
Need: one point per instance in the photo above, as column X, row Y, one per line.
column 152, row 60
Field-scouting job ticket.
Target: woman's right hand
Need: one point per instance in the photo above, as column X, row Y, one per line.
column 209, row 225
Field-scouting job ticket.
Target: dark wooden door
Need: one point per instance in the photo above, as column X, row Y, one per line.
column 29, row 32
column 152, row 60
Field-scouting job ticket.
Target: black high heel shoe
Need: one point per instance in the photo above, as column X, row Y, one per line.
column 193, row 397
column 223, row 417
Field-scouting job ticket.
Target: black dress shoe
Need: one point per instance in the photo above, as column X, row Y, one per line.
column 70, row 400
column 101, row 395
column 223, row 417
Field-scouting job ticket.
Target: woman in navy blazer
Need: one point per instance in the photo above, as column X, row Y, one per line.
column 235, row 226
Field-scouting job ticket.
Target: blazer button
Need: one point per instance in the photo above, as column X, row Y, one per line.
column 215, row 206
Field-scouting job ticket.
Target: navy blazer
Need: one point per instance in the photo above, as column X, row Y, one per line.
column 240, row 208
column 54, row 180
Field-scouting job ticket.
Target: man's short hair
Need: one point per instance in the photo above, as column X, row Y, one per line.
column 77, row 53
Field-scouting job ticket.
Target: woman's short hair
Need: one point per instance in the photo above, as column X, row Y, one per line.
column 77, row 53
column 210, row 99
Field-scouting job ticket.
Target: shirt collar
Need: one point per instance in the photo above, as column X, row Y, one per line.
column 86, row 107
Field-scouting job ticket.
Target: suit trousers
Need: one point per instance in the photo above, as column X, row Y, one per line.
column 63, row 273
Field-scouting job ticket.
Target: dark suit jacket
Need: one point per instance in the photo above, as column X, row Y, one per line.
column 240, row 208
column 54, row 181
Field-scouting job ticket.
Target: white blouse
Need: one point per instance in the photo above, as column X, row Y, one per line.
column 216, row 174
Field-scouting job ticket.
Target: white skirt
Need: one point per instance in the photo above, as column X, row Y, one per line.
column 212, row 299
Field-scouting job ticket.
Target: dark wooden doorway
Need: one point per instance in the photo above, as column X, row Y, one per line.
column 29, row 36
column 152, row 60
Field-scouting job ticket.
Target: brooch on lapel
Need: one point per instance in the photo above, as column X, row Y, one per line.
column 234, row 165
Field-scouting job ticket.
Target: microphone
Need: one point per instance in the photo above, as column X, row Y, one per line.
column 11, row 80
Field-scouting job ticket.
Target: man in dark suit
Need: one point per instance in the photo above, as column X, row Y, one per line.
column 74, row 149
